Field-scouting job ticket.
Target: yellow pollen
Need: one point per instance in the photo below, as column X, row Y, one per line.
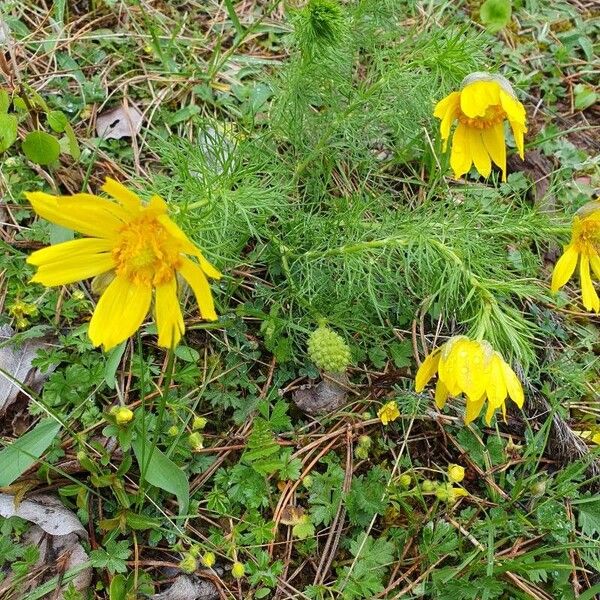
column 588, row 236
column 146, row 254
column 493, row 114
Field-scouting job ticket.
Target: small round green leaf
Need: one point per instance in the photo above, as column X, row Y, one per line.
column 8, row 131
column 57, row 120
column 496, row 14
column 41, row 148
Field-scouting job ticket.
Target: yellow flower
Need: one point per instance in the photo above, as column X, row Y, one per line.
column 456, row 473
column 585, row 249
column 122, row 414
column 472, row 368
column 388, row 412
column 140, row 249
column 480, row 108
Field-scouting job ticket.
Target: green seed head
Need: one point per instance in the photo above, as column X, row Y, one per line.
column 328, row 350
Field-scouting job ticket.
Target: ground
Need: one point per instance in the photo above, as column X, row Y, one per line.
column 295, row 144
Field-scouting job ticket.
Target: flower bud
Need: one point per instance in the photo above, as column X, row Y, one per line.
column 328, row 350
column 365, row 441
column 199, row 423
column 456, row 473
column 209, row 559
column 405, row 480
column 238, row 569
column 538, row 488
column 122, row 415
column 196, row 441
column 173, row 431
column 188, row 563
column 428, row 486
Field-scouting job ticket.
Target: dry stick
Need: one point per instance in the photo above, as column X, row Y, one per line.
column 577, row 587
column 335, row 532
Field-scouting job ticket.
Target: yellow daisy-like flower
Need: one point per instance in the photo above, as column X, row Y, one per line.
column 141, row 250
column 472, row 368
column 388, row 412
column 585, row 249
column 483, row 104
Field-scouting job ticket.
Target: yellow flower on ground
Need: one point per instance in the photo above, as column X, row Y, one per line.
column 140, row 248
column 481, row 106
column 456, row 473
column 472, row 368
column 388, row 412
column 584, row 249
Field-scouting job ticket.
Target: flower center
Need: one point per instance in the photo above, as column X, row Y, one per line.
column 493, row 114
column 146, row 253
column 588, row 237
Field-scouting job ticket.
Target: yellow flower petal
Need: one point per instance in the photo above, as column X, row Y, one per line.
column 446, row 105
column 480, row 155
column 477, row 97
column 460, row 154
column 441, row 394
column 595, row 263
column 189, row 247
column 74, row 268
column 496, row 388
column 489, row 412
column 169, row 320
column 563, row 270
column 447, row 368
column 588, row 293
column 427, row 370
column 514, row 110
column 119, row 313
column 513, row 385
column 84, row 213
column 493, row 140
column 67, row 250
column 196, row 278
column 472, row 370
column 126, row 198
column 473, row 408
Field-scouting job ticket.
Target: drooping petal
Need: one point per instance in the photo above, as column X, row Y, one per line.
column 169, row 320
column 564, row 268
column 519, row 135
column 473, row 408
column 441, row 394
column 460, row 154
column 472, row 370
column 196, row 278
column 446, row 105
column 589, row 296
column 514, row 110
column 87, row 214
column 493, row 140
column 595, row 263
column 189, row 247
column 120, row 312
column 513, row 385
column 448, row 365
column 477, row 97
column 427, row 370
column 129, row 200
column 67, row 250
column 496, row 387
column 490, row 410
column 481, row 156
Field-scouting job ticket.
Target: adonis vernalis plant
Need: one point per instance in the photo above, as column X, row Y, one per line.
column 481, row 107
column 584, row 249
column 140, row 247
column 475, row 369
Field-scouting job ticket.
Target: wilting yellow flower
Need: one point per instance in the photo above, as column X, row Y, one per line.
column 139, row 247
column 388, row 412
column 472, row 368
column 456, row 473
column 480, row 108
column 585, row 249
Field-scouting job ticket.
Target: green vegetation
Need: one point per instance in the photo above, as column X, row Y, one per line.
column 295, row 143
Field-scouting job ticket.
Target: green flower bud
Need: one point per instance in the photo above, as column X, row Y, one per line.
column 208, row 560
column 307, row 482
column 538, row 488
column 428, row 486
column 405, row 480
column 173, row 431
column 188, row 563
column 328, row 350
column 199, row 423
column 196, row 441
column 361, row 452
column 122, row 415
column 365, row 441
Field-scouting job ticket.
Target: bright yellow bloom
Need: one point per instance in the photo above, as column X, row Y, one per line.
column 472, row 368
column 140, row 249
column 480, row 108
column 456, row 473
column 585, row 249
column 388, row 412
